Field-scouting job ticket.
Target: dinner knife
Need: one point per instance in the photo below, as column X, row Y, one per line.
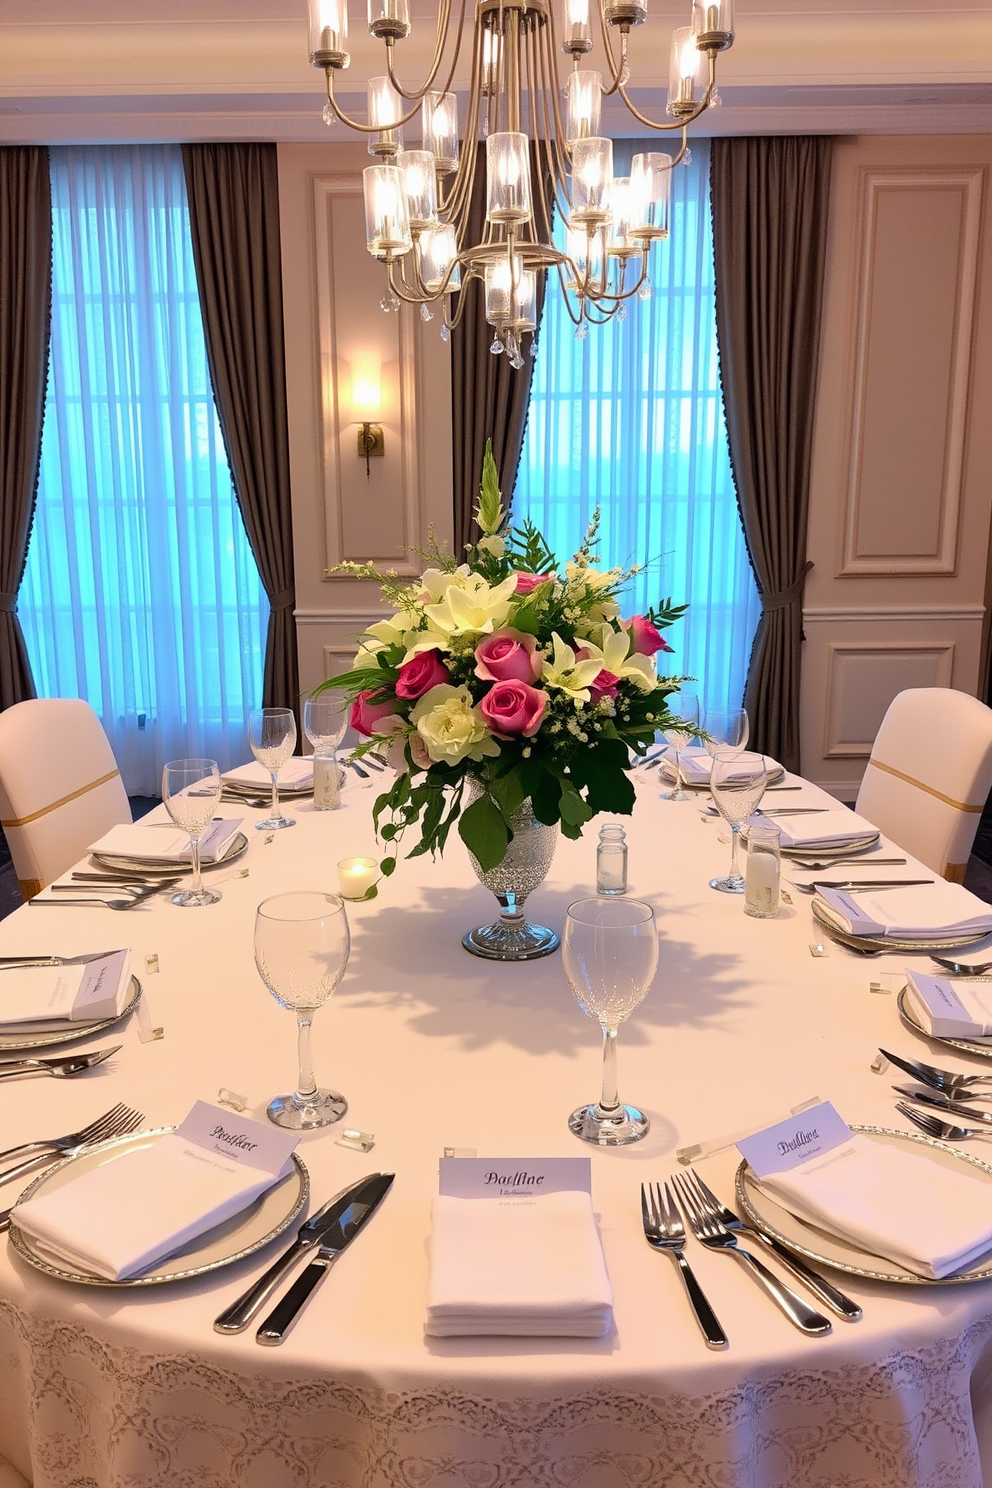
column 958, row 1108
column 361, row 1205
column 235, row 1319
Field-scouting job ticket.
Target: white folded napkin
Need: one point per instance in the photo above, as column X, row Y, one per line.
column 950, row 1009
column 920, row 913
column 528, row 1268
column 891, row 1202
column 117, row 1220
column 696, row 765
column 295, row 774
column 837, row 828
column 162, row 842
column 33, row 997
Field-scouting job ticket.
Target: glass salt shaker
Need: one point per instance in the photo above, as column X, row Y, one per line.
column 611, row 861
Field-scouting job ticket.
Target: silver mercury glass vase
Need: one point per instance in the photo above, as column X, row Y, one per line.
column 528, row 858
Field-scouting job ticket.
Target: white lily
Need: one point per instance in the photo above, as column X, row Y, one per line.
column 613, row 650
column 375, row 637
column 567, row 673
column 471, row 606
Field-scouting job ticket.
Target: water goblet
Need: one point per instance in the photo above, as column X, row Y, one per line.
column 301, row 950
column 272, row 736
column 609, row 956
column 737, row 784
column 728, row 730
column 325, row 718
column 191, row 791
column 685, row 706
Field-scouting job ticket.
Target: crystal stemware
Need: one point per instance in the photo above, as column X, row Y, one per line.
column 325, row 718
column 609, row 956
column 272, row 736
column 685, row 706
column 191, row 791
column 737, row 784
column 727, row 730
column 302, row 944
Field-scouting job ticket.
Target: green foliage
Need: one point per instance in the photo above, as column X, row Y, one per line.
column 489, row 512
column 527, row 550
column 484, row 831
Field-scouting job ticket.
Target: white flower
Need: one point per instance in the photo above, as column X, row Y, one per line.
column 383, row 633
column 492, row 544
column 567, row 673
column 450, row 727
column 472, row 606
column 435, row 581
column 612, row 647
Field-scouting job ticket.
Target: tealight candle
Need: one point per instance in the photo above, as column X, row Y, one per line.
column 356, row 876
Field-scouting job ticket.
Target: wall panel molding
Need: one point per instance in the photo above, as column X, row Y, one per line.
column 862, row 679
column 882, row 614
column 918, row 274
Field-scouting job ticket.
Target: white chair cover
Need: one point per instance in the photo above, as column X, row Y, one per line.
column 60, row 787
column 929, row 775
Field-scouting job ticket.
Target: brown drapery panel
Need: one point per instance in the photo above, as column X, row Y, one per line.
column 233, row 195
column 769, row 235
column 489, row 399
column 25, row 323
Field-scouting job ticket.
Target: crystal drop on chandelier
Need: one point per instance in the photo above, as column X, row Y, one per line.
column 644, row 293
column 389, row 303
column 582, row 331
column 497, row 347
column 426, row 313
column 328, row 115
column 622, row 313
column 444, row 332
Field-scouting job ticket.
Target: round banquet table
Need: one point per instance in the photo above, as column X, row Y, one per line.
column 110, row 1388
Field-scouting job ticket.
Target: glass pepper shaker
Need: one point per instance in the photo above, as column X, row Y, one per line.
column 611, row 861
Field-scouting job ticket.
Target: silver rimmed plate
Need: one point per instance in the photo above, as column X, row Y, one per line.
column 775, row 773
column 256, row 792
column 845, row 1255
column 888, row 943
column 63, row 1032
column 981, row 1047
column 169, row 867
column 842, row 850
column 243, row 1234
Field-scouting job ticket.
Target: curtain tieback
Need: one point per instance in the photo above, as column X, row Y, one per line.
column 785, row 597
column 8, row 604
column 284, row 600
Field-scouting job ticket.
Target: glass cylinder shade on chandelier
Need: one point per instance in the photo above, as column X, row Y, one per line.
column 417, row 201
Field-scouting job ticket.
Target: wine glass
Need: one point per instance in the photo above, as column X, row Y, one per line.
column 728, row 730
column 272, row 736
column 301, row 950
column 191, row 791
column 609, row 955
column 737, row 784
column 685, row 706
column 325, row 718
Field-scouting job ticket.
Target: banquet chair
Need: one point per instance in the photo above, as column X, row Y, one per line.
column 929, row 776
column 60, row 787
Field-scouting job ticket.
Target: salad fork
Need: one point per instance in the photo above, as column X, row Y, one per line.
column 103, row 1126
column 122, row 1124
column 713, row 1233
column 664, row 1229
column 817, row 1284
column 942, row 1131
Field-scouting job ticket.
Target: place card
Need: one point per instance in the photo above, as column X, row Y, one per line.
column 949, row 1009
column 513, row 1177
column 248, row 1143
column 787, row 1144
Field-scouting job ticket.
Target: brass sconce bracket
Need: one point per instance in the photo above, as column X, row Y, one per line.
column 371, row 441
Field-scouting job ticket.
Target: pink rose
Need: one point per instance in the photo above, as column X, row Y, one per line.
column 421, row 673
column 395, row 752
column 367, row 710
column 528, row 582
column 508, row 656
column 512, row 708
column 646, row 640
column 605, row 685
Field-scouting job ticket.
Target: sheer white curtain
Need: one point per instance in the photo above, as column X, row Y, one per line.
column 141, row 593
column 631, row 418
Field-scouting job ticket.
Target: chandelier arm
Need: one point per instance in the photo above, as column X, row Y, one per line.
column 440, row 43
column 353, row 123
column 557, row 159
column 402, row 289
column 461, row 190
column 684, row 122
column 625, row 294
column 459, row 311
column 614, row 66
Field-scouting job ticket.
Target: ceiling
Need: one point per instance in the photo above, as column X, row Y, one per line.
column 102, row 70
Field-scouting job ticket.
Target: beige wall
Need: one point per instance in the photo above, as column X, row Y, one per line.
column 902, row 458
column 334, row 323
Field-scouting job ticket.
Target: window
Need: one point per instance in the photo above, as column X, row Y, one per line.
column 141, row 593
column 631, row 418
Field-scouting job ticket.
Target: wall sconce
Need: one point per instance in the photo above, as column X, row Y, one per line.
column 366, row 398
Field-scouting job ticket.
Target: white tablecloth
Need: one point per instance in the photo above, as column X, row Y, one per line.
column 434, row 1048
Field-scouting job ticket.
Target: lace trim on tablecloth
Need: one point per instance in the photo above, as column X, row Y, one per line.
column 103, row 1416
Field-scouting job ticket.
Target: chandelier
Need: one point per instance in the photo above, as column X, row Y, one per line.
column 417, row 200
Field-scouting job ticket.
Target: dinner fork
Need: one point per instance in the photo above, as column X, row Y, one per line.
column 664, row 1228
column 943, row 1131
column 817, row 1284
column 948, row 1081
column 64, row 1067
column 124, row 904
column 116, row 1122
column 713, row 1233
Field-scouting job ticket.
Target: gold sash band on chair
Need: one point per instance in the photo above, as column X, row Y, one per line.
column 23, row 821
column 929, row 789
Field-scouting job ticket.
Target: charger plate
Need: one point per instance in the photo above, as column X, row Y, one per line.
column 887, row 943
column 775, row 773
column 256, row 792
column 983, row 1048
column 845, row 1255
column 63, row 1032
column 169, row 867
column 240, row 1236
column 842, row 850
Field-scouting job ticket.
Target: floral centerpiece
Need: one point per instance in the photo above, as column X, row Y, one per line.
column 512, row 675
